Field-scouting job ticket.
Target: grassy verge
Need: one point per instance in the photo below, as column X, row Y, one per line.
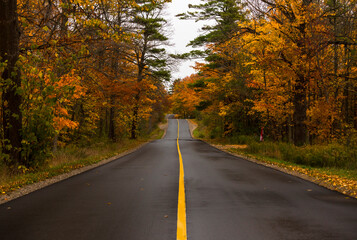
column 69, row 159
column 333, row 165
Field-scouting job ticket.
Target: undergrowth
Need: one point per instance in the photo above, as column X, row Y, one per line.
column 335, row 157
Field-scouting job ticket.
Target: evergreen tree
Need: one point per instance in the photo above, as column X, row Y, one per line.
column 223, row 17
column 149, row 56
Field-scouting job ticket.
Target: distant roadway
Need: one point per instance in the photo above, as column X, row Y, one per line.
column 136, row 198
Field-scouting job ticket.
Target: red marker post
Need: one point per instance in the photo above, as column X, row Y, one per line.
column 262, row 134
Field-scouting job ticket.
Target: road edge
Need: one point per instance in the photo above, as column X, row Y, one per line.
column 164, row 126
column 192, row 126
column 42, row 184
column 339, row 189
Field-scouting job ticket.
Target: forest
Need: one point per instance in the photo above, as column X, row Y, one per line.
column 287, row 68
column 77, row 71
column 74, row 72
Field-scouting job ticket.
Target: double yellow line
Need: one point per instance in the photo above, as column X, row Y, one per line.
column 181, row 209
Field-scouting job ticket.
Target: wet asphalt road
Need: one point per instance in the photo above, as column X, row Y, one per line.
column 135, row 198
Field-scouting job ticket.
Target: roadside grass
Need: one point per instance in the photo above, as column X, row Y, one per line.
column 200, row 131
column 68, row 159
column 332, row 165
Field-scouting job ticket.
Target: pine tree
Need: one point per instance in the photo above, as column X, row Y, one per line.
column 149, row 56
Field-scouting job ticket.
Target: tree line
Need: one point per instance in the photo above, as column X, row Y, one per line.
column 73, row 70
column 288, row 66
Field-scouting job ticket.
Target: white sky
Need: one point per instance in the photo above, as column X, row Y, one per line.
column 183, row 32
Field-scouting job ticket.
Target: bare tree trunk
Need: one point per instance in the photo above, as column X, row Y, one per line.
column 111, row 133
column 290, row 130
column 101, row 123
column 347, row 104
column 134, row 123
column 300, row 91
column 11, row 100
column 354, row 108
column 300, row 108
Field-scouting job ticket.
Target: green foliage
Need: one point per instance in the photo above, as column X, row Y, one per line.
column 331, row 155
column 203, row 105
column 199, row 132
column 191, row 55
column 38, row 133
column 216, row 132
column 198, row 85
column 162, row 74
column 225, row 13
column 38, row 107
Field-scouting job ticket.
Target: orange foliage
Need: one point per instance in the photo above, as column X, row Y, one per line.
column 184, row 97
column 289, row 70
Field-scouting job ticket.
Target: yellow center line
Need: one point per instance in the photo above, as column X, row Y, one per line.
column 181, row 209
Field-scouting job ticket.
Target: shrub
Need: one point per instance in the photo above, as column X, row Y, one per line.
column 332, row 155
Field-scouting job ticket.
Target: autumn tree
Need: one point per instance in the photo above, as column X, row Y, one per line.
column 293, row 41
column 51, row 45
column 185, row 97
column 78, row 69
column 288, row 66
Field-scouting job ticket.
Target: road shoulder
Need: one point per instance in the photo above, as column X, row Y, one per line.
column 39, row 185
column 192, row 126
column 335, row 183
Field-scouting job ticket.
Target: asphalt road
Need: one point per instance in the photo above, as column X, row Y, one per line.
column 135, row 198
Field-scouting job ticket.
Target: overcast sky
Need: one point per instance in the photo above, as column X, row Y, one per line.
column 183, row 32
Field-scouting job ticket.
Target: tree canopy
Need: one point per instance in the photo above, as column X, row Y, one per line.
column 287, row 66
column 80, row 70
